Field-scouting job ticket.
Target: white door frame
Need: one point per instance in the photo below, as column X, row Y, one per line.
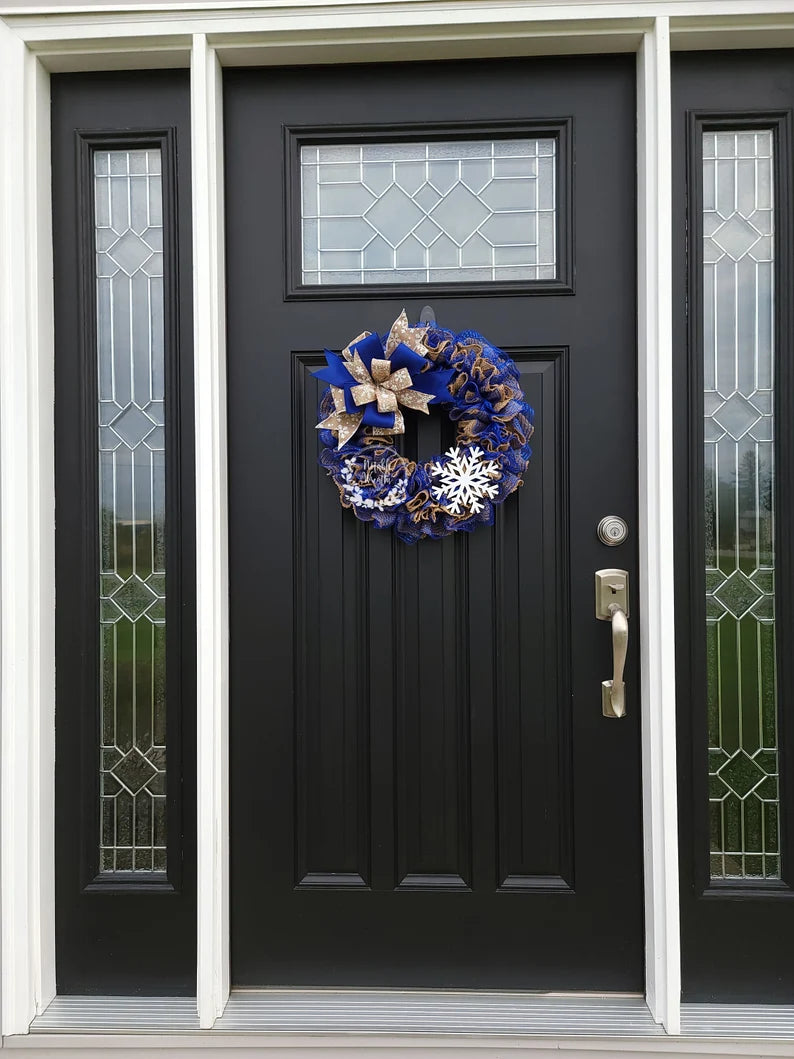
column 204, row 37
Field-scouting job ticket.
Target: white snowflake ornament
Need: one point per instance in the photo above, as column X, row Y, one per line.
column 465, row 479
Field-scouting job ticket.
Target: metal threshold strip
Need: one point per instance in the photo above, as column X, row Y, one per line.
column 412, row 1013
column 756, row 1021
column 360, row 1011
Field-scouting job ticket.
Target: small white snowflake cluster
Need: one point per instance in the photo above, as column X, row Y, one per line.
column 466, row 478
column 353, row 492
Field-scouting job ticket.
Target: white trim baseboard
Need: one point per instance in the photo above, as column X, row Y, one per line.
column 365, row 1046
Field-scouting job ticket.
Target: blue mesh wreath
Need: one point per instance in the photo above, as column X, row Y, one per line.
column 374, row 379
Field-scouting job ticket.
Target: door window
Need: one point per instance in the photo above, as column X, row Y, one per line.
column 429, row 212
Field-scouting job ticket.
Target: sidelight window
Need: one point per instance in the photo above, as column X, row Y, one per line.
column 739, row 421
column 128, row 209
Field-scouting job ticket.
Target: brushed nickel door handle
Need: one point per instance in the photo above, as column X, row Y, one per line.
column 612, row 594
column 613, row 692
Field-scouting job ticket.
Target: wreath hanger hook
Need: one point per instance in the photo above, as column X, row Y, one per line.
column 427, row 317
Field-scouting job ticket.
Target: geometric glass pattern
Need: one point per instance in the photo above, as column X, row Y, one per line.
column 738, row 344
column 131, row 449
column 429, row 212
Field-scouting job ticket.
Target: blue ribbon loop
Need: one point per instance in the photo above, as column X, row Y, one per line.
column 426, row 377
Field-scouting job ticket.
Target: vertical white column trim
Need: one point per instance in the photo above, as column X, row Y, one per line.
column 657, row 651
column 41, row 319
column 212, row 583
column 27, row 540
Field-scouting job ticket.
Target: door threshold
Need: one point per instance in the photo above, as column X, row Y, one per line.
column 118, row 1014
column 432, row 1012
column 394, row 1012
column 757, row 1021
column 401, row 1024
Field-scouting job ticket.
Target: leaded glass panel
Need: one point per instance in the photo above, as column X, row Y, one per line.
column 131, row 447
column 738, row 344
column 474, row 210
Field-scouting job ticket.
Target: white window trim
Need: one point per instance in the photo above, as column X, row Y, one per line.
column 27, row 539
column 212, row 566
column 205, row 37
column 657, row 616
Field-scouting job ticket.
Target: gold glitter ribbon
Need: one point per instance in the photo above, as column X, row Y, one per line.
column 379, row 384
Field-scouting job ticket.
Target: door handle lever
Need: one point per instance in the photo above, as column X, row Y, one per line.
column 613, row 692
column 612, row 593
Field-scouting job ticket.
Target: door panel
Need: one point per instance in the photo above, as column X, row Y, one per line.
column 735, row 481
column 424, row 791
column 443, row 601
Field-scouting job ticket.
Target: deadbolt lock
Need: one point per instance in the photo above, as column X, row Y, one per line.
column 612, row 530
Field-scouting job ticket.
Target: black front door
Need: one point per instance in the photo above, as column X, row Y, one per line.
column 424, row 789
